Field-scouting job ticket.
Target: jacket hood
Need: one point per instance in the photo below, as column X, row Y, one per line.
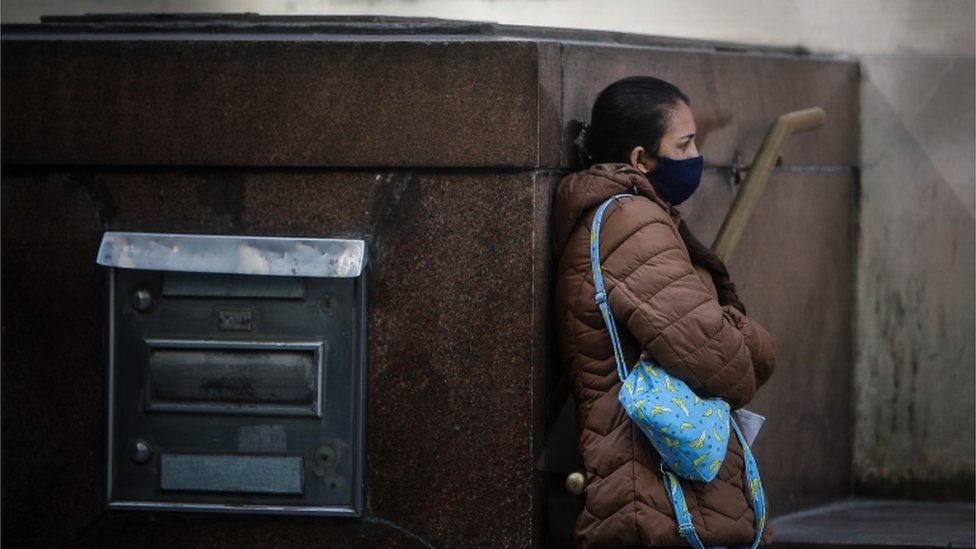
column 580, row 192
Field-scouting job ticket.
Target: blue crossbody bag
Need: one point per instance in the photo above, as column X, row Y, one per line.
column 690, row 433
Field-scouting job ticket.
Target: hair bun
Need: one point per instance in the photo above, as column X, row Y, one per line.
column 585, row 157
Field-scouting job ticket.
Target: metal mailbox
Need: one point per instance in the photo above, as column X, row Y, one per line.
column 236, row 373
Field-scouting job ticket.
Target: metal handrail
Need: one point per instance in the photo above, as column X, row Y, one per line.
column 766, row 159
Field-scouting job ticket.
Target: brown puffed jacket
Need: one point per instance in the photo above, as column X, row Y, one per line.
column 667, row 307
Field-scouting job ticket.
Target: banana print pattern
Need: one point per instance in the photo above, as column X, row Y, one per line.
column 658, row 409
column 638, row 413
column 668, row 385
column 690, row 432
column 680, row 404
column 714, row 465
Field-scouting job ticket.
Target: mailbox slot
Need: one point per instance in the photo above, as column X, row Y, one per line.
column 236, row 375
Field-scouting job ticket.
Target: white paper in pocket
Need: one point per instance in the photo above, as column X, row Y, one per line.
column 749, row 423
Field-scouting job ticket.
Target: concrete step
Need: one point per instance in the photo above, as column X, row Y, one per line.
column 880, row 524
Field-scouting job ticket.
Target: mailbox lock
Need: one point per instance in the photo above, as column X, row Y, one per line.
column 140, row 451
column 142, row 300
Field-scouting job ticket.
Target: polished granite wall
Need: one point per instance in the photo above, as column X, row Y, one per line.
column 439, row 144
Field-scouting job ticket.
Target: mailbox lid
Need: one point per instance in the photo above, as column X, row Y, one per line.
column 245, row 255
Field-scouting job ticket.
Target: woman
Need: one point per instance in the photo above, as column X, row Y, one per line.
column 672, row 299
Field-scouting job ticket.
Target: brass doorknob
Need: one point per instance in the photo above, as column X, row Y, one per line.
column 575, row 483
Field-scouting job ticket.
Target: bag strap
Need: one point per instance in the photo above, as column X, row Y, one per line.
column 756, row 494
column 675, row 492
column 601, row 293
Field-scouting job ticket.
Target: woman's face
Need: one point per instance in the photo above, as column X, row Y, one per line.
column 678, row 142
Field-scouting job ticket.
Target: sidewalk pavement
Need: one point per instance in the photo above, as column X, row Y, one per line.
column 876, row 524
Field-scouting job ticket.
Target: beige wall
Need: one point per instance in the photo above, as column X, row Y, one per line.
column 915, row 276
column 914, row 324
column 865, row 26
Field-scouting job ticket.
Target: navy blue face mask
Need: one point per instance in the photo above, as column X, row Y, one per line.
column 676, row 180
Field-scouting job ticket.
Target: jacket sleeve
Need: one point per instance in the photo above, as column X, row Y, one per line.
column 654, row 291
column 760, row 343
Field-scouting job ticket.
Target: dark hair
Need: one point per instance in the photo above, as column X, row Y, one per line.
column 629, row 113
column 635, row 112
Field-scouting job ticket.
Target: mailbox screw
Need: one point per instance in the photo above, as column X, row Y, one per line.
column 142, row 300
column 328, row 303
column 139, row 451
column 326, row 456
